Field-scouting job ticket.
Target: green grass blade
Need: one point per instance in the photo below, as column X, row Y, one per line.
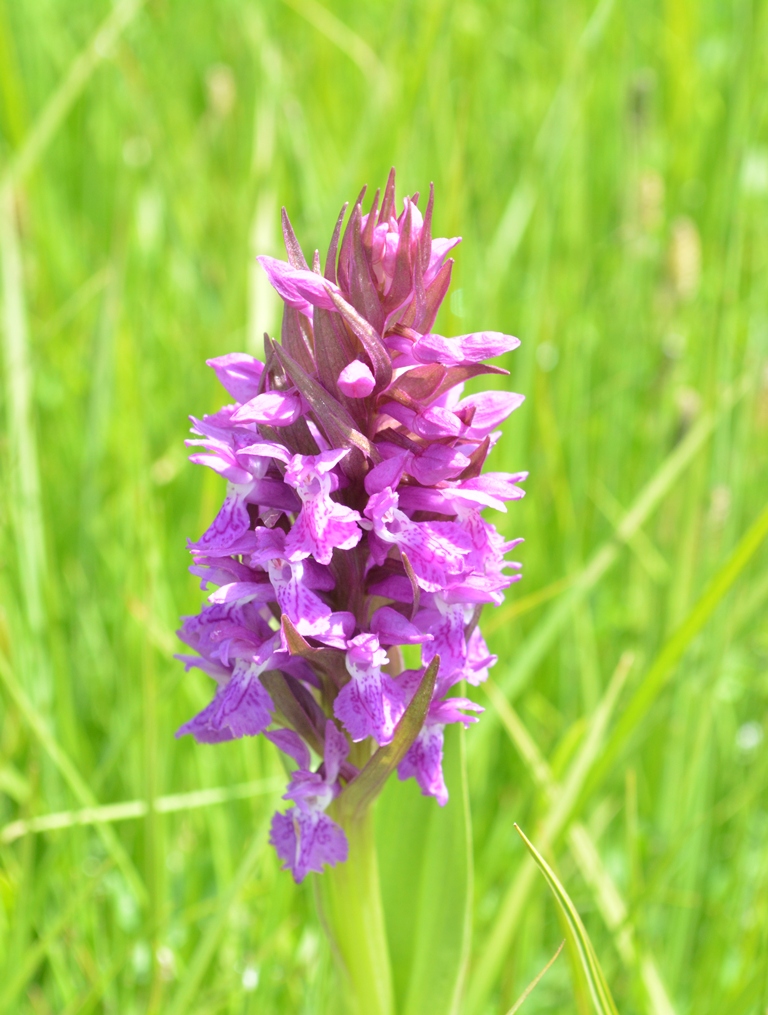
column 206, row 949
column 72, row 776
column 550, row 142
column 129, row 810
column 598, row 986
column 342, row 36
column 660, row 671
column 544, row 635
column 615, row 914
column 60, row 103
column 609, row 902
column 36, row 953
column 24, row 486
column 562, row 803
column 426, row 876
column 535, row 982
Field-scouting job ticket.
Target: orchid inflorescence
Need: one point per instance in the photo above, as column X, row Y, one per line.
column 351, row 525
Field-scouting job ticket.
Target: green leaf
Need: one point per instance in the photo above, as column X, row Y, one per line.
column 425, row 861
column 598, row 986
column 363, row 790
column 535, row 982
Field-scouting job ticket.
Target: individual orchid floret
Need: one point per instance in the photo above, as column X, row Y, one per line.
column 322, row 524
column 304, row 608
column 371, row 703
column 239, row 373
column 446, row 622
column 435, row 550
column 234, row 518
column 304, row 836
column 241, row 707
column 424, row 759
column 353, row 525
column 299, row 288
column 462, row 349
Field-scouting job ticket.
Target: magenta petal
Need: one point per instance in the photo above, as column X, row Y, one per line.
column 302, row 606
column 435, row 549
column 359, row 716
column 229, row 470
column 336, row 751
column 240, row 708
column 290, row 743
column 273, row 493
column 500, row 485
column 440, row 247
column 394, row 586
column 202, row 730
column 239, row 374
column 320, row 841
column 437, row 462
column 490, row 409
column 335, row 630
column 479, row 659
column 392, row 628
column 450, row 710
column 298, row 287
column 356, row 380
column 447, row 628
column 463, row 348
column 304, row 471
column 369, row 706
column 386, row 473
column 274, row 408
column 437, row 422
column 230, row 524
column 282, row 836
column 424, row 762
column 371, row 703
column 265, row 449
column 243, row 592
column 321, row 526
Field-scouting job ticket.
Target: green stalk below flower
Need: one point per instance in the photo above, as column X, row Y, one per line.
column 349, row 898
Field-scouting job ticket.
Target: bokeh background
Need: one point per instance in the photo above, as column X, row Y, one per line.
column 607, row 166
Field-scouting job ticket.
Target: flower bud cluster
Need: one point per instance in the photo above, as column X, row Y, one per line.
column 352, row 524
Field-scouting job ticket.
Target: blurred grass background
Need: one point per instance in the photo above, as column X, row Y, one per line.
column 607, row 167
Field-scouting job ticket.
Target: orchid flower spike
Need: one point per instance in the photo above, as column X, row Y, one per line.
column 352, row 524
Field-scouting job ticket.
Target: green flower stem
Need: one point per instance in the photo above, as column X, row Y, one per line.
column 351, row 907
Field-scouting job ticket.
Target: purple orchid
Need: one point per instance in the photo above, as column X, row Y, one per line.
column 371, row 703
column 352, row 523
column 424, row 760
column 305, row 837
column 322, row 524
